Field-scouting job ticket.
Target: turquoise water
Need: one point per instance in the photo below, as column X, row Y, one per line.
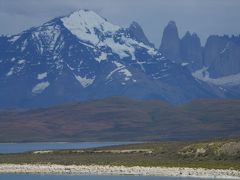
column 61, row 177
column 23, row 147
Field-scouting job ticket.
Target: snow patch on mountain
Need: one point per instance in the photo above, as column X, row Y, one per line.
column 230, row 80
column 14, row 38
column 42, row 76
column 127, row 74
column 84, row 81
column 184, row 64
column 102, row 57
column 13, row 59
column 121, row 69
column 24, row 45
column 10, row 72
column 152, row 51
column 123, row 50
column 157, row 76
column 141, row 64
column 71, row 68
column 22, row 61
column 130, row 42
column 47, row 36
column 40, row 87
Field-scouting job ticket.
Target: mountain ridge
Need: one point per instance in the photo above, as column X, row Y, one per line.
column 210, row 63
column 82, row 56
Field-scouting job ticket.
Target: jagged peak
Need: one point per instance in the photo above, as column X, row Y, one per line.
column 188, row 34
column 138, row 34
column 194, row 34
column 170, row 44
column 171, row 27
column 87, row 18
column 172, row 23
column 135, row 25
column 87, row 14
column 84, row 23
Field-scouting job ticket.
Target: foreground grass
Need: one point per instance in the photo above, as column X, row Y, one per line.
column 218, row 154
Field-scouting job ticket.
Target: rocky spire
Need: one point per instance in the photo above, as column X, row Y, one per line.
column 170, row 45
column 214, row 45
column 224, row 54
column 191, row 50
column 137, row 33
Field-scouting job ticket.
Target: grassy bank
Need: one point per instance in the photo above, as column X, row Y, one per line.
column 218, row 154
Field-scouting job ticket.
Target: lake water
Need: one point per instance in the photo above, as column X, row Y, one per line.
column 23, row 147
column 61, row 177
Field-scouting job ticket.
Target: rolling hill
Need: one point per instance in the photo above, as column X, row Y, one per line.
column 122, row 119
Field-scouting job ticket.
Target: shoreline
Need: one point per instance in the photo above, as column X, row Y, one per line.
column 118, row 171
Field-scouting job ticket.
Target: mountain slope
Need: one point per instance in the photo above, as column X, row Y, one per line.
column 123, row 120
column 82, row 56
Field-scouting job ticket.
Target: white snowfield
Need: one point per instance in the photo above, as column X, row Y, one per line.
column 120, row 170
column 21, row 61
column 83, row 23
column 87, row 25
column 84, row 81
column 42, row 76
column 230, row 80
column 10, row 72
column 102, row 57
column 40, row 87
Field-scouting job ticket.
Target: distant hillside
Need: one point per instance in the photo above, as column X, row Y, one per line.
column 122, row 119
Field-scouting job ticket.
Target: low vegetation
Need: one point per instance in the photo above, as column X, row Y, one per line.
column 222, row 154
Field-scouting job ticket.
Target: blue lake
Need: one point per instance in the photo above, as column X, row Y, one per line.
column 23, row 147
column 61, row 177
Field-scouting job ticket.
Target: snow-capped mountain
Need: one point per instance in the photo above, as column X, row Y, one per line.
column 83, row 56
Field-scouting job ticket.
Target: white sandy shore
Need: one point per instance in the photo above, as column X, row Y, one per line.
column 119, row 170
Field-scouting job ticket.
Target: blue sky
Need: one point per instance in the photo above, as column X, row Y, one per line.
column 201, row 16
